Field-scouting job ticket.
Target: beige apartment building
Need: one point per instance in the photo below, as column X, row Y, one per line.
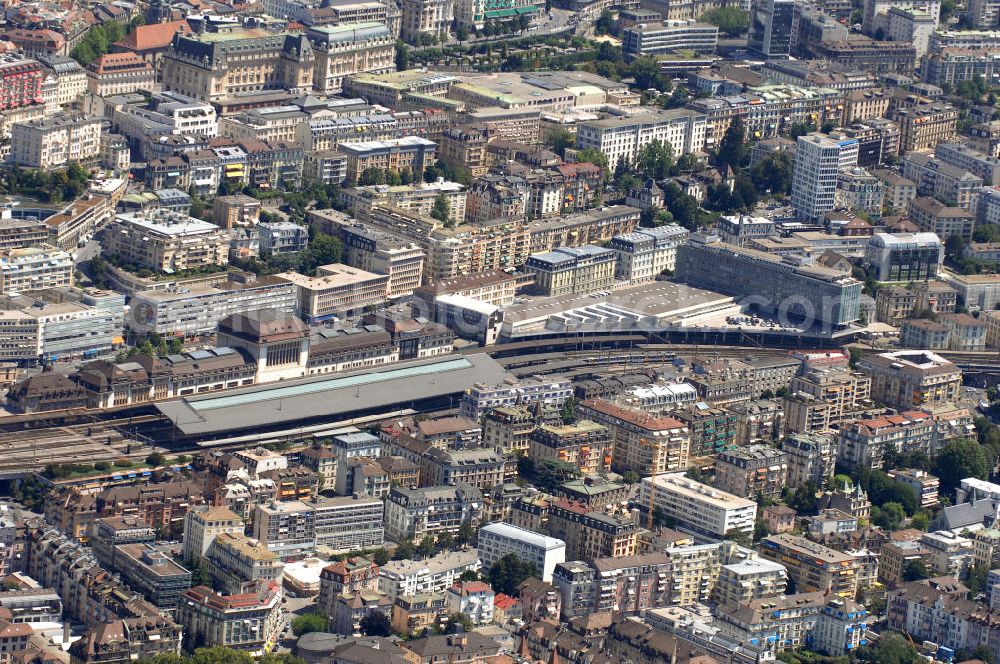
column 55, row 141
column 164, row 240
column 336, row 289
column 348, row 48
column 912, row 378
column 643, row 443
column 119, row 74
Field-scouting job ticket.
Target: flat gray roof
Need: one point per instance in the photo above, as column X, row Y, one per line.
column 332, row 395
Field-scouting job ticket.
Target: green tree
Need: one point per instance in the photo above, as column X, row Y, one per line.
column 655, row 159
column 427, row 546
column 740, row 537
column 441, row 209
column 309, row 622
column 595, row 157
column 605, row 23
column 630, row 477
column 976, row 578
column 380, row 557
column 568, row 412
column 732, row 148
column 375, row 623
column 646, row 72
column 402, row 56
column 560, row 139
column 920, row 521
column 954, row 246
column 466, row 534
column 469, row 575
column 462, row 33
column 891, row 648
column 986, row 233
column 371, row 176
column 959, row 459
column 323, row 249
column 731, row 20
column 156, row 459
column 458, row 622
column 889, row 516
column 219, row 655
column 405, row 550
column 915, row 570
column 773, row 173
column 508, row 573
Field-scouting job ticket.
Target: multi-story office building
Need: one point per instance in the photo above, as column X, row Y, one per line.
column 164, row 240
column 196, row 311
column 643, row 443
column 377, row 251
column 415, row 513
column 294, row 529
column 657, row 38
column 907, row 379
column 34, row 268
column 584, row 444
column 119, row 74
column 618, row 138
column 34, row 329
column 811, row 566
column 752, row 471
column 905, row 257
column 860, row 53
column 843, row 391
column 771, row 27
column 236, row 563
column 251, row 621
column 203, row 524
column 647, row 253
column 213, row 66
column 345, row 49
column 590, row 533
column 56, row 141
column 696, row 507
column 816, row 294
column 818, row 161
column 153, row 573
column 336, row 289
column 410, row 152
column 572, row 270
column 497, row 540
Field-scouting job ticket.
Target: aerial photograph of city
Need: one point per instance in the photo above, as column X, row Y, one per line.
column 499, row 332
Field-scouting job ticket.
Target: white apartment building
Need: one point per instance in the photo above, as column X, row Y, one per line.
column 55, row 141
column 697, row 507
column 750, row 579
column 34, row 268
column 195, row 311
column 293, row 529
column 500, row 539
column 818, row 160
column 646, row 253
column 618, row 138
column 433, row 575
column 167, row 241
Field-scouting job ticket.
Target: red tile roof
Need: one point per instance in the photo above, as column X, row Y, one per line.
column 154, row 36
